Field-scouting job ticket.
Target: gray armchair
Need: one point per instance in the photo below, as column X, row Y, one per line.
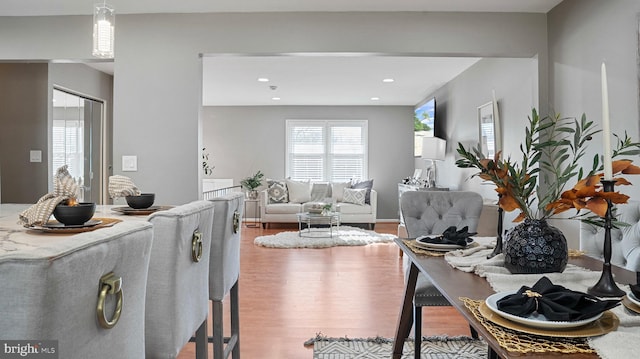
column 431, row 212
column 625, row 241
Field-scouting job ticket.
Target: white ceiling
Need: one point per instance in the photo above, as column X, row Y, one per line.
column 303, row 80
column 84, row 7
column 325, row 80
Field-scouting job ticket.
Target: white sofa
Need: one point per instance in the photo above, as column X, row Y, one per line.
column 350, row 213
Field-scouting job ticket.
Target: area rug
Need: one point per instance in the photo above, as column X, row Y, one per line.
column 346, row 236
column 441, row 347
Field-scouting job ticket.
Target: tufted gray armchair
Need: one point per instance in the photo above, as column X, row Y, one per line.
column 625, row 242
column 431, row 212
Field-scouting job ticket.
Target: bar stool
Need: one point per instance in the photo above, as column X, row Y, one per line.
column 224, row 271
column 85, row 291
column 177, row 289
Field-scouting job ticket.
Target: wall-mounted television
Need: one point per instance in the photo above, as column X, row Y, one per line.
column 424, row 118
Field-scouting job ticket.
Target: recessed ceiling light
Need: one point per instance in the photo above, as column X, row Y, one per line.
column 388, row 80
column 275, row 98
column 263, row 79
column 375, row 99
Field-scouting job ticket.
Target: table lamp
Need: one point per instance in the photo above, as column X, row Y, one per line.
column 433, row 149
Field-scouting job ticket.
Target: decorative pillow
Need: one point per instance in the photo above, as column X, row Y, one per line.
column 320, row 191
column 277, row 191
column 355, row 196
column 337, row 190
column 368, row 184
column 299, row 191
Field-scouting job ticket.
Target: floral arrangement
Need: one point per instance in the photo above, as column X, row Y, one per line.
column 552, row 149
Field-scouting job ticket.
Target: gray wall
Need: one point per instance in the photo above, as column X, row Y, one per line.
column 584, row 34
column 243, row 140
column 158, row 71
column 515, row 82
column 23, row 120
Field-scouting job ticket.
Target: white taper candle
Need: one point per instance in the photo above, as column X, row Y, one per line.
column 606, row 130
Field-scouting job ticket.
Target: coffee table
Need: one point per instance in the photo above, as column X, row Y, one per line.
column 326, row 225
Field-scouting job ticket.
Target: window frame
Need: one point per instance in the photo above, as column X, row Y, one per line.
column 326, row 155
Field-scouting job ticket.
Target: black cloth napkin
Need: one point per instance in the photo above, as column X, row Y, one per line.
column 555, row 302
column 451, row 235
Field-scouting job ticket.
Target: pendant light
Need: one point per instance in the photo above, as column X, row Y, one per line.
column 103, row 30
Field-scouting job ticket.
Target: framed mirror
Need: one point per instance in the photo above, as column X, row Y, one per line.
column 489, row 129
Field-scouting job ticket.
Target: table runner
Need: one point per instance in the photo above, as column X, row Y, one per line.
column 613, row 345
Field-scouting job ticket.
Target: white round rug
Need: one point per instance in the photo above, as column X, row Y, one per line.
column 346, row 236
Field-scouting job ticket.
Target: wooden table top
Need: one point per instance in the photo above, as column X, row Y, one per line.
column 453, row 283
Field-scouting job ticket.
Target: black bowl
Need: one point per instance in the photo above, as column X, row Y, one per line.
column 144, row 200
column 74, row 215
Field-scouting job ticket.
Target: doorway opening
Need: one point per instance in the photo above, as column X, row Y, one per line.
column 77, row 140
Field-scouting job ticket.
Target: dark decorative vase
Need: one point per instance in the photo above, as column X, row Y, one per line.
column 535, row 247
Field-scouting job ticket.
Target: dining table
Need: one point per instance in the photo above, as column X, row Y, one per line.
column 457, row 286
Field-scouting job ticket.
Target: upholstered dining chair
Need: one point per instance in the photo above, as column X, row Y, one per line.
column 177, row 303
column 85, row 291
column 625, row 241
column 224, row 271
column 431, row 212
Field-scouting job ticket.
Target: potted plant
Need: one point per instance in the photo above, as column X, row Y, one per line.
column 251, row 183
column 552, row 149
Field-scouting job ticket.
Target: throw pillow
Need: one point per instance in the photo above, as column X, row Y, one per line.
column 355, row 196
column 299, row 191
column 320, row 191
column 337, row 190
column 368, row 184
column 277, row 191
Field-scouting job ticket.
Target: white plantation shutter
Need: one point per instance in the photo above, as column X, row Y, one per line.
column 326, row 150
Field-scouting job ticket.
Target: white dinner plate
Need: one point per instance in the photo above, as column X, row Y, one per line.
column 535, row 320
column 437, row 246
column 633, row 299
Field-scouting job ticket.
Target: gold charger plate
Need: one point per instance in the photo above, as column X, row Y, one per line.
column 140, row 212
column 630, row 305
column 104, row 222
column 607, row 323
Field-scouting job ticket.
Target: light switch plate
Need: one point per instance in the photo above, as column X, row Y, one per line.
column 129, row 163
column 35, row 156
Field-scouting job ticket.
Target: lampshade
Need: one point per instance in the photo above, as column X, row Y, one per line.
column 104, row 19
column 433, row 148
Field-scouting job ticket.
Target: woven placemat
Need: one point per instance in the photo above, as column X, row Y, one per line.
column 418, row 250
column 519, row 342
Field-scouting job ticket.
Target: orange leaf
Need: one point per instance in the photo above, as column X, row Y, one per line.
column 615, row 197
column 508, row 202
column 620, row 165
column 622, row 182
column 631, row 170
column 519, row 218
column 598, row 206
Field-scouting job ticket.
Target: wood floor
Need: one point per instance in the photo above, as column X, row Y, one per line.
column 289, row 295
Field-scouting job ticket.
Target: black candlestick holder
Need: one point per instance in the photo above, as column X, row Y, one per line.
column 606, row 286
column 498, row 248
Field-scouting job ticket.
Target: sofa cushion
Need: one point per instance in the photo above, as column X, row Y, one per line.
column 350, row 208
column 355, row 195
column 284, row 208
column 299, row 191
column 277, row 191
column 337, row 190
column 320, row 191
column 368, row 184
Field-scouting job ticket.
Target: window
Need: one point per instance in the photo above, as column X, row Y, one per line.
column 323, row 150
